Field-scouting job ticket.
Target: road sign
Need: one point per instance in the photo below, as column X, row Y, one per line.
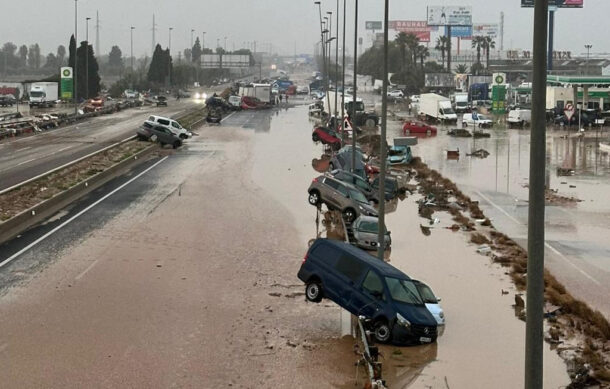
column 67, row 82
column 499, row 78
column 569, row 111
column 449, row 16
column 498, row 99
column 373, row 25
column 556, row 3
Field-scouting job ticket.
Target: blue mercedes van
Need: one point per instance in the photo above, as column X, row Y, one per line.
column 366, row 286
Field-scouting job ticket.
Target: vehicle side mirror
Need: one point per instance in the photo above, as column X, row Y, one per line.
column 438, row 300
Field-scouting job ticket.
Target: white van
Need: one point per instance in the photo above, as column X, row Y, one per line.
column 170, row 124
column 519, row 118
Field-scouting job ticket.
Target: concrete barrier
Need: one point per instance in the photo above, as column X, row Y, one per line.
column 38, row 213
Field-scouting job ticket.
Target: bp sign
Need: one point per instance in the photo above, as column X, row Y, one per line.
column 67, row 83
column 499, row 78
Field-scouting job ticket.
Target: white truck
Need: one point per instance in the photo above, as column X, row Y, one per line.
column 519, row 118
column 460, row 102
column 436, row 108
column 43, row 94
column 362, row 118
column 260, row 91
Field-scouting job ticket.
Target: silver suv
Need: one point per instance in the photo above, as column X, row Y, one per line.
column 340, row 196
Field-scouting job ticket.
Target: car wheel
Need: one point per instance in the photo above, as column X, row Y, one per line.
column 177, row 144
column 369, row 122
column 183, row 136
column 313, row 291
column 382, row 332
column 336, row 146
column 314, row 197
column 407, row 132
column 428, row 132
column 315, row 137
column 349, row 214
column 331, row 166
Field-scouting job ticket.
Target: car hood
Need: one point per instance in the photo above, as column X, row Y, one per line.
column 416, row 314
column 368, row 208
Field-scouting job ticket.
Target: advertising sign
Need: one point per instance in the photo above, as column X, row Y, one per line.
column 556, row 3
column 224, row 61
column 67, row 82
column 373, row 25
column 499, row 78
column 417, row 27
column 498, row 99
column 439, row 80
column 449, row 16
column 459, row 31
column 488, row 29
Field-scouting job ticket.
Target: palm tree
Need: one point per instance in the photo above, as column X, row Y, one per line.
column 412, row 43
column 461, row 69
column 478, row 42
column 423, row 53
column 402, row 40
column 442, row 44
column 488, row 44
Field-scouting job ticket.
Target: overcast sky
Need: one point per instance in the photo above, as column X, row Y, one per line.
column 283, row 23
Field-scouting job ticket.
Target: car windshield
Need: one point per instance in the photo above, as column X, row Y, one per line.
column 483, row 117
column 358, row 196
column 426, row 293
column 37, row 94
column 447, row 111
column 403, row 291
column 369, row 226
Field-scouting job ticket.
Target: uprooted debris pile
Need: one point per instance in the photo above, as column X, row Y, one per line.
column 579, row 334
column 552, row 198
column 29, row 195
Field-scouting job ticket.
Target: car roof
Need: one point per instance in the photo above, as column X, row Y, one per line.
column 347, row 184
column 383, row 268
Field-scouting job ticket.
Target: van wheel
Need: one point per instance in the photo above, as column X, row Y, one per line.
column 315, row 137
column 407, row 132
column 370, row 122
column 382, row 333
column 314, row 197
column 183, row 136
column 177, row 144
column 349, row 215
column 313, row 291
column 464, row 124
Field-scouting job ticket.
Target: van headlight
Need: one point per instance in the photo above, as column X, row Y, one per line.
column 441, row 315
column 402, row 321
column 197, row 96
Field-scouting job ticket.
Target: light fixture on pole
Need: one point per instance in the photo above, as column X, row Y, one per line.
column 202, row 41
column 337, row 66
column 322, row 45
column 343, row 74
column 192, row 31
column 87, row 58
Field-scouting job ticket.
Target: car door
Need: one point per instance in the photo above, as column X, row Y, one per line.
column 369, row 296
column 331, row 194
column 349, row 272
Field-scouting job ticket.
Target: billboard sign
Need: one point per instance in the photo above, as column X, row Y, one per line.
column 485, row 29
column 417, row 27
column 449, row 16
column 556, row 3
column 439, row 80
column 459, row 31
column 373, row 26
column 67, row 82
column 225, row 61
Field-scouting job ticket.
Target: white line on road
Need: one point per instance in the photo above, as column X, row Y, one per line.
column 222, row 120
column 25, row 148
column 78, row 277
column 59, row 227
column 64, row 149
column 553, row 249
column 24, row 162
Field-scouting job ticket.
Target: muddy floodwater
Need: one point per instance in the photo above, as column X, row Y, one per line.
column 483, row 343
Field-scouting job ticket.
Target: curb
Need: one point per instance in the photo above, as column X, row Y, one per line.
column 36, row 214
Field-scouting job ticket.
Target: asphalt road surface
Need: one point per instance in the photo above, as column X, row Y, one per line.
column 27, row 157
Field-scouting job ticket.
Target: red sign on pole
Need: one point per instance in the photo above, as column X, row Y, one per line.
column 419, row 28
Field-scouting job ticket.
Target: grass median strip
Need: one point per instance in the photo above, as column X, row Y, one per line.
column 20, row 199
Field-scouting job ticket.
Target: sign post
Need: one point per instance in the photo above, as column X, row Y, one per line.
column 67, row 83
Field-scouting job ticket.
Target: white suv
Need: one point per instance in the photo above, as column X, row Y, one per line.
column 170, row 124
column 397, row 94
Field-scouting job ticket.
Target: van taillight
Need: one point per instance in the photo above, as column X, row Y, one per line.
column 305, row 258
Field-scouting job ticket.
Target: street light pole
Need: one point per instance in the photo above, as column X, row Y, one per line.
column 534, row 325
column 75, row 57
column 343, row 75
column 192, row 31
column 322, row 45
column 355, row 98
column 337, row 66
column 225, row 46
column 87, row 58
column 131, row 35
column 382, row 141
column 169, row 57
column 588, row 47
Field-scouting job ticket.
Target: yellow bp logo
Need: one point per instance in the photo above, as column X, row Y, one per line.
column 66, row 73
column 499, row 79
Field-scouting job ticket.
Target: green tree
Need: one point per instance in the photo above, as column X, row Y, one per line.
column 412, row 44
column 81, row 75
column 23, row 56
column 115, row 60
column 488, row 44
column 51, row 62
column 477, row 43
column 402, row 41
column 476, row 68
column 160, row 66
column 442, row 45
column 196, row 51
column 9, row 59
column 422, row 52
column 34, row 56
column 461, row 69
column 188, row 55
column 61, row 55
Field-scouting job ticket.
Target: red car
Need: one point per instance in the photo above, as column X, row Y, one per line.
column 327, row 137
column 411, row 127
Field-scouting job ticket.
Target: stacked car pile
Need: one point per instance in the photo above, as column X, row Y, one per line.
column 164, row 130
column 396, row 307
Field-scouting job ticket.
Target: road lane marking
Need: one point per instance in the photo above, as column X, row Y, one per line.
column 24, row 148
column 24, row 162
column 78, row 277
column 222, row 120
column 59, row 227
column 547, row 245
column 65, row 148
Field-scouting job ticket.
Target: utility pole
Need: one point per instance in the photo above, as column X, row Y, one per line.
column 336, row 65
column 154, row 42
column 87, row 59
column 502, row 31
column 343, row 76
column 588, row 47
column 97, row 32
column 322, row 44
column 382, row 141
column 192, row 31
column 131, row 34
column 551, row 22
column 202, row 41
column 534, row 326
column 355, row 99
column 169, row 57
column 75, row 57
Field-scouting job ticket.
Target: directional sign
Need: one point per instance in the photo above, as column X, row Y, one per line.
column 373, row 25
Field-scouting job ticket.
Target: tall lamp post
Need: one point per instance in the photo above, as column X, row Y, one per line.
column 382, row 141
column 355, row 98
column 337, row 65
column 343, row 74
column 588, row 47
column 169, row 58
column 87, row 58
column 131, row 36
column 329, row 41
column 75, row 57
column 322, row 42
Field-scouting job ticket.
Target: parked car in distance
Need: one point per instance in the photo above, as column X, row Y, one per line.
column 349, row 90
column 156, row 133
column 316, row 94
column 396, row 94
column 358, row 182
column 340, row 196
column 170, row 124
column 7, row 100
column 413, row 127
column 364, row 285
column 391, row 186
column 130, row 94
column 399, row 155
column 302, row 89
column 519, row 117
column 327, row 137
column 476, row 119
column 161, row 101
column 343, row 161
column 365, row 230
column 431, row 301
